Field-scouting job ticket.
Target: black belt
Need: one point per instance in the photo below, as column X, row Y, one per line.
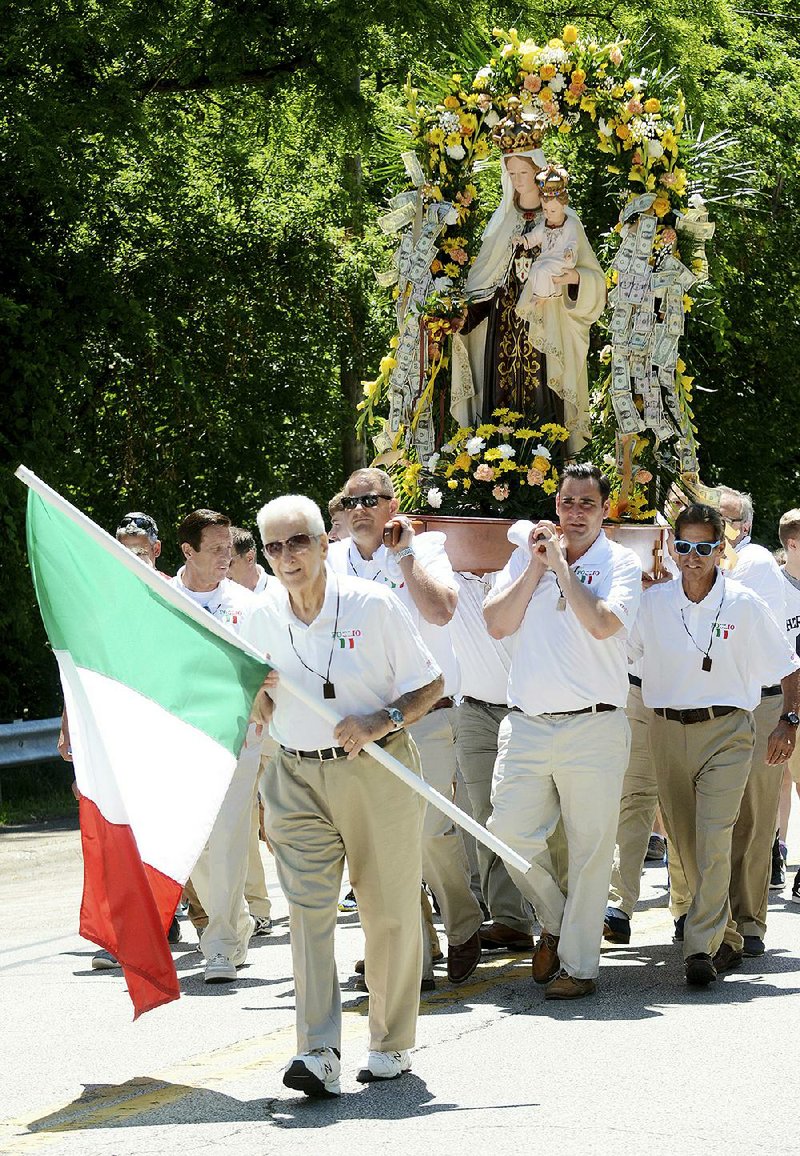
column 483, row 703
column 324, row 754
column 634, row 680
column 596, row 708
column 443, row 703
column 695, row 715
column 771, row 691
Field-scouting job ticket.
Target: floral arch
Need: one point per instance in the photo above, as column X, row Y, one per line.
column 633, row 114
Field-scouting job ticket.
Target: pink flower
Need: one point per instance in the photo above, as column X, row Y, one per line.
column 668, row 179
column 634, row 106
column 615, row 55
column 669, row 236
column 533, row 82
column 505, row 430
column 577, row 89
column 484, row 473
column 500, row 493
column 637, row 158
column 535, row 477
column 484, row 101
column 460, row 256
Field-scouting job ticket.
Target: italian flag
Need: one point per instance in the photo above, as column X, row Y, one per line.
column 158, row 695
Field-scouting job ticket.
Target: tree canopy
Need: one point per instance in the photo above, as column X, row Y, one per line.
column 188, row 302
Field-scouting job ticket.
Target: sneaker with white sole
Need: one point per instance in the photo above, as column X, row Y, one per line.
column 219, row 969
column 103, row 961
column 263, row 925
column 384, row 1066
column 314, row 1073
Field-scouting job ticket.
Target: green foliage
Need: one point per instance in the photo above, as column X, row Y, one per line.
column 187, row 299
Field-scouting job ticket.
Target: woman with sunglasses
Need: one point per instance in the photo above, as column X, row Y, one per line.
column 708, row 645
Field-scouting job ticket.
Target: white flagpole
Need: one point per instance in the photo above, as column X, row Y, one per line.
column 186, row 606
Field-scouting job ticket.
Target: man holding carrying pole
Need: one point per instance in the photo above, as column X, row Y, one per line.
column 352, row 646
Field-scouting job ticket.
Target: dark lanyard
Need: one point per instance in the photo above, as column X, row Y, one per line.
column 328, row 689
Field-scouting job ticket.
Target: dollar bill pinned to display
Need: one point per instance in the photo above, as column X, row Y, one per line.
column 626, row 413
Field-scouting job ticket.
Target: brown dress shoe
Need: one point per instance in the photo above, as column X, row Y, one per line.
column 545, row 958
column 463, row 958
column 566, row 986
column 727, row 958
column 500, row 937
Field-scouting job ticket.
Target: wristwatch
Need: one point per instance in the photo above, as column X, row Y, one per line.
column 406, row 552
column 396, row 717
column 792, row 717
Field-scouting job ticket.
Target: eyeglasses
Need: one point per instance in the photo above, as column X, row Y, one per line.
column 368, row 501
column 294, row 545
column 704, row 549
column 142, row 521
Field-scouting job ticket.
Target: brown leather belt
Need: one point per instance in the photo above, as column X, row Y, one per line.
column 695, row 715
column 443, row 703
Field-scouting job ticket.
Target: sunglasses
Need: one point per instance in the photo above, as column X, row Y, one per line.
column 704, row 549
column 368, row 501
column 294, row 545
column 141, row 521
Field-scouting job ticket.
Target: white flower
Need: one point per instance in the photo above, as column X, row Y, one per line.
column 609, row 460
column 507, row 451
column 432, row 462
column 696, row 201
column 457, row 152
column 452, row 216
column 442, row 284
column 602, row 126
column 435, row 497
column 483, row 73
column 449, row 121
column 655, row 148
column 542, row 452
column 557, row 83
column 636, row 83
column 491, row 118
column 448, row 449
column 474, row 446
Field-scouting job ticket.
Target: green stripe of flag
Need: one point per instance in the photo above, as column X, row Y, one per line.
column 113, row 623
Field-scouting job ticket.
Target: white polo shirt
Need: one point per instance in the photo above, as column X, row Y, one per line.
column 758, row 571
column 484, row 662
column 557, row 665
column 381, row 568
column 792, row 618
column 748, row 648
column 374, row 650
column 228, row 602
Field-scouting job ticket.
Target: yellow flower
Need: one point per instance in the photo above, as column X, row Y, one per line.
column 452, row 484
column 670, row 141
column 687, row 303
column 547, row 71
column 436, row 135
column 622, row 131
column 481, row 150
column 512, row 415
column 549, row 486
column 485, row 431
column 589, row 104
column 453, row 139
column 451, row 269
column 526, row 433
column 571, row 98
column 546, row 94
column 467, row 483
column 492, row 455
column 564, row 127
column 387, row 365
column 528, row 62
column 578, row 76
column 570, row 34
column 541, row 464
column 463, row 462
column 555, row 43
column 652, row 105
column 661, row 206
column 452, row 102
column 617, row 92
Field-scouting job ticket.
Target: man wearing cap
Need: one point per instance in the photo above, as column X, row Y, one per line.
column 220, row 873
column 756, row 827
column 350, row 645
column 570, row 597
column 708, row 645
column 417, row 570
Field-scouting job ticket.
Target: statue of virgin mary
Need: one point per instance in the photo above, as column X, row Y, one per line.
column 515, row 350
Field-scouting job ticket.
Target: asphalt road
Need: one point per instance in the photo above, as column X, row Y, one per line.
column 646, row 1066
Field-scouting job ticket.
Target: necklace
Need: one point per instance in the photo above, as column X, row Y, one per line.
column 328, row 689
column 706, row 663
column 353, row 568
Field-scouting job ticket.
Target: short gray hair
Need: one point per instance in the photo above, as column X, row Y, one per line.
column 292, row 505
column 745, row 504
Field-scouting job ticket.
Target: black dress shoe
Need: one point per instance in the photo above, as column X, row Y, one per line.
column 463, row 958
column 727, row 958
column 680, row 923
column 616, row 926
column 700, row 970
column 753, row 945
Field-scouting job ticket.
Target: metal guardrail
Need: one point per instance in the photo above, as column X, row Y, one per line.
column 29, row 742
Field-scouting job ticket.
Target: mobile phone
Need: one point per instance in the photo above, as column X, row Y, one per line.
column 392, row 532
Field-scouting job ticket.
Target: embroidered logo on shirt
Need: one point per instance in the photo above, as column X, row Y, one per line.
column 347, row 638
column 723, row 629
column 586, row 576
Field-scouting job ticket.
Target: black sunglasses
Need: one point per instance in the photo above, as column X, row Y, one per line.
column 142, row 521
column 368, row 501
column 294, row 545
column 704, row 549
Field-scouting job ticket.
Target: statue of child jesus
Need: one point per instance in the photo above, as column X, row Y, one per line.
column 556, row 235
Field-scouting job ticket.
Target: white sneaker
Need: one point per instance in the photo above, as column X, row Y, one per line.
column 384, row 1066
column 219, row 969
column 315, row 1073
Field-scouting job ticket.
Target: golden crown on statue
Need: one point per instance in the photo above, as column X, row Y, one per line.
column 521, row 130
column 552, row 181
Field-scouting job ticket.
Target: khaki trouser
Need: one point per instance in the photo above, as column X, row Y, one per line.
column 476, row 744
column 255, row 885
column 316, row 813
column 220, row 873
column 702, row 770
column 636, row 816
column 754, row 832
column 445, row 867
column 569, row 767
